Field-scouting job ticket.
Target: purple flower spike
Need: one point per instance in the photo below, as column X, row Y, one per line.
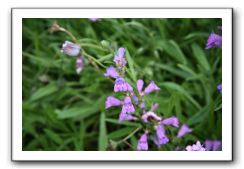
column 146, row 117
column 111, row 71
column 122, row 85
column 119, row 58
column 195, row 147
column 219, row 87
column 79, row 64
column 124, row 116
column 162, row 138
column 214, row 41
column 172, row 121
column 151, row 87
column 70, row 48
column 112, row 101
column 183, row 130
column 142, row 143
column 128, row 106
column 139, row 85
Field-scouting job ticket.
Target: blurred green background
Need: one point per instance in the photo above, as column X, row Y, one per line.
column 65, row 111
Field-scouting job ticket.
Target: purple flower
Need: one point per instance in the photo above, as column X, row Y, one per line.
column 70, row 48
column 128, row 106
column 151, row 87
column 122, row 85
column 79, row 64
column 195, row 147
column 172, row 121
column 119, row 58
column 162, row 138
column 183, row 130
column 214, row 41
column 111, row 71
column 150, row 115
column 112, row 101
column 212, row 145
column 219, row 87
column 125, row 116
column 139, row 85
column 142, row 143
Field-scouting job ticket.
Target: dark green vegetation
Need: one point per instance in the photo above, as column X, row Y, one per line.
column 66, row 111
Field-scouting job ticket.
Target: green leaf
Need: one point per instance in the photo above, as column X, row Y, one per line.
column 201, row 115
column 81, row 111
column 44, row 91
column 173, row 49
column 200, row 56
column 116, row 121
column 118, row 134
column 131, row 65
column 53, row 136
column 176, row 87
column 103, row 139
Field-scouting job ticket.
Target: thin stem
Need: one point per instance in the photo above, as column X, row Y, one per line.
column 130, row 135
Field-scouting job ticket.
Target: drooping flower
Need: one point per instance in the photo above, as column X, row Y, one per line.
column 214, row 41
column 151, row 87
column 162, row 138
column 111, row 72
column 119, row 58
column 212, row 145
column 79, row 64
column 172, row 121
column 122, row 85
column 150, row 115
column 219, row 87
column 195, row 147
column 70, row 48
column 128, row 106
column 125, row 116
column 112, row 101
column 142, row 143
column 154, row 107
column 183, row 130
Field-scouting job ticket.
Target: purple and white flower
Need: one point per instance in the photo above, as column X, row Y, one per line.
column 212, row 145
column 79, row 64
column 70, row 48
column 150, row 115
column 195, row 147
column 119, row 58
column 219, row 87
column 162, row 138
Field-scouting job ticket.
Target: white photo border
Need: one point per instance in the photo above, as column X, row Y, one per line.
column 227, row 81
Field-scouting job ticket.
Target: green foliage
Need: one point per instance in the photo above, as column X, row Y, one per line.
column 65, row 111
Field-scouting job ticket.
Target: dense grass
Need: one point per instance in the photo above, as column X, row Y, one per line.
column 65, row 111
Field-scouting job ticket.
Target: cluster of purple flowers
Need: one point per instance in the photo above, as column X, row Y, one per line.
column 73, row 50
column 135, row 99
column 215, row 41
